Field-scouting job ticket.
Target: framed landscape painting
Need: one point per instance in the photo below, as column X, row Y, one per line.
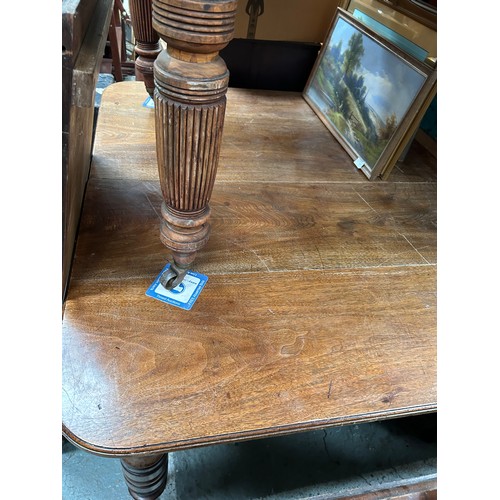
column 369, row 93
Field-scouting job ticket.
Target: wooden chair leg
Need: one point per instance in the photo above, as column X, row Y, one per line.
column 191, row 81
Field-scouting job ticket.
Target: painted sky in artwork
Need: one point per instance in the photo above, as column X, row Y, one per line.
column 392, row 83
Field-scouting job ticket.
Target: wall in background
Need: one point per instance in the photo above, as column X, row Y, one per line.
column 289, row 20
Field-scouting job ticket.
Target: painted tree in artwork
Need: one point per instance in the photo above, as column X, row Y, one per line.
column 353, row 54
column 388, row 128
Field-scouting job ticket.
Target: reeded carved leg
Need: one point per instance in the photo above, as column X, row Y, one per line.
column 147, row 45
column 146, row 476
column 191, row 81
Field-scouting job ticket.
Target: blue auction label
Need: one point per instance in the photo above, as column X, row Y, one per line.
column 184, row 295
column 149, row 103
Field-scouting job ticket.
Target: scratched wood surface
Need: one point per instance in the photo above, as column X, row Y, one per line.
column 320, row 307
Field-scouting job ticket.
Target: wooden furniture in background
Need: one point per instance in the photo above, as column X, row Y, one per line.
column 116, row 61
column 191, row 81
column 254, row 9
column 147, row 42
column 85, row 26
column 319, row 310
column 117, row 41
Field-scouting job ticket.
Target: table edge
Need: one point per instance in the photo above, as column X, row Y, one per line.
column 250, row 435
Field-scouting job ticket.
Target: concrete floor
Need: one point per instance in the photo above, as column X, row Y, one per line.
column 332, row 463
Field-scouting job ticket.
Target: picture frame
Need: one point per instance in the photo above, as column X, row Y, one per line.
column 404, row 17
column 370, row 94
column 424, row 12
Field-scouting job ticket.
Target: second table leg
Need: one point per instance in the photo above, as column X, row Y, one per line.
column 145, row 475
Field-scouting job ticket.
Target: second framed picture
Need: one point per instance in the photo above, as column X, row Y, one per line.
column 370, row 94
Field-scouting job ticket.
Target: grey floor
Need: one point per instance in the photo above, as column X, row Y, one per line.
column 336, row 462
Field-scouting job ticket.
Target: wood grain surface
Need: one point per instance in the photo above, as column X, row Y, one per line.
column 320, row 305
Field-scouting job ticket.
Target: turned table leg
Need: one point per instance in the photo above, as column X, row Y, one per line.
column 191, row 81
column 147, row 45
column 146, row 476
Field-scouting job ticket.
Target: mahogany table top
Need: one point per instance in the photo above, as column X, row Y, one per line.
column 320, row 305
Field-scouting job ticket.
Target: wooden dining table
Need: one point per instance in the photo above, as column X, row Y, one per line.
column 319, row 307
